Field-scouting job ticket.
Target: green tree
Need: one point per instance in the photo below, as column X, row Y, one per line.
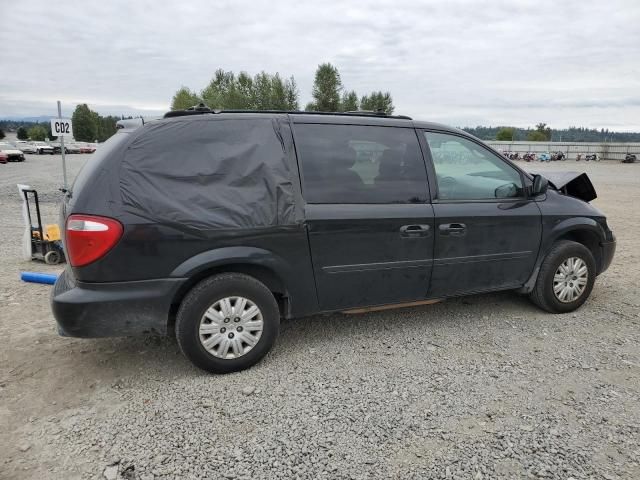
column 327, row 86
column 278, row 93
column 1, row 134
column 84, row 124
column 506, row 133
column 291, row 94
column 219, row 92
column 542, row 133
column 22, row 133
column 184, row 98
column 37, row 132
column 47, row 126
column 536, row 136
column 262, row 91
column 98, row 125
column 349, row 101
column 377, row 101
column 108, row 129
column 243, row 92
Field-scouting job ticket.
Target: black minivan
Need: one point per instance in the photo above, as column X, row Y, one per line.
column 217, row 224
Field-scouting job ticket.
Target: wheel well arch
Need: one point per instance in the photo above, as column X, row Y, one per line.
column 584, row 236
column 587, row 238
column 263, row 274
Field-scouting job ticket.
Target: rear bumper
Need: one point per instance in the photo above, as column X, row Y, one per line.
column 112, row 309
column 608, row 251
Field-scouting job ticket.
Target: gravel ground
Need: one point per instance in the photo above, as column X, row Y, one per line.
column 480, row 387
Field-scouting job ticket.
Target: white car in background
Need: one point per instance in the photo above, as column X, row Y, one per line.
column 12, row 152
column 72, row 148
column 43, row 148
column 26, row 147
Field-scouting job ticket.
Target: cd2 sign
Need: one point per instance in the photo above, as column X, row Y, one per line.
column 61, row 127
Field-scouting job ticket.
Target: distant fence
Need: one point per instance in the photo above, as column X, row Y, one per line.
column 605, row 151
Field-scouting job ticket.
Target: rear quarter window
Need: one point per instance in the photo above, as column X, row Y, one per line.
column 209, row 174
column 95, row 161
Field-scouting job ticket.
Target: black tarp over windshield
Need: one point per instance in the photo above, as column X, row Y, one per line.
column 211, row 173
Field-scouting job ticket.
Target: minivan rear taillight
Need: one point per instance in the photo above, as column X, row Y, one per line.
column 89, row 237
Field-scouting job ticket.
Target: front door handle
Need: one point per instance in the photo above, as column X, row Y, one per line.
column 453, row 229
column 414, row 231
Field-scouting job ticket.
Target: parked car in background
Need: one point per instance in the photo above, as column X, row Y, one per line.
column 72, row 148
column 13, row 154
column 26, row 147
column 271, row 215
column 68, row 148
column 3, row 157
column 87, row 149
column 43, row 148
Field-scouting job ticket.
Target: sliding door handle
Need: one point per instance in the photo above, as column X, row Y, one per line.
column 414, row 231
column 453, row 229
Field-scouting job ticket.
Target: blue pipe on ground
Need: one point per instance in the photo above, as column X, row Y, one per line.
column 35, row 277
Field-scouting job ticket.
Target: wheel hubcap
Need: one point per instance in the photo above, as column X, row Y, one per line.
column 231, row 340
column 570, row 279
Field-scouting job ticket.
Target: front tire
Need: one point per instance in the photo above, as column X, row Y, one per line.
column 565, row 279
column 227, row 323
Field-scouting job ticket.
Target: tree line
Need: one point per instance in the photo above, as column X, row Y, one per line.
column 543, row 133
column 88, row 126
column 31, row 130
column 265, row 91
column 39, row 132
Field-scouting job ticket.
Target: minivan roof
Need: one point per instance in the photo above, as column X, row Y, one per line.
column 202, row 109
column 361, row 118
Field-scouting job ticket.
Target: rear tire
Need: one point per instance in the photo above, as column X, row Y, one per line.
column 219, row 312
column 559, row 287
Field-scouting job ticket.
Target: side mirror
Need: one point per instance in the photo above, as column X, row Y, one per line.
column 508, row 190
column 540, row 185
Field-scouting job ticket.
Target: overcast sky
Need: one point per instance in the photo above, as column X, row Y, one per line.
column 465, row 63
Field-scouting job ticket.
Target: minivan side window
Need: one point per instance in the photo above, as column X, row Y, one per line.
column 468, row 171
column 360, row 164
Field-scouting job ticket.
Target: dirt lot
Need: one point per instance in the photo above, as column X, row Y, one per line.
column 478, row 387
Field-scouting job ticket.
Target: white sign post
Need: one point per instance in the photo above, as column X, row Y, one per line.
column 61, row 127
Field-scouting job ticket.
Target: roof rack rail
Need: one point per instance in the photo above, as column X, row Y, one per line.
column 203, row 109
column 195, row 110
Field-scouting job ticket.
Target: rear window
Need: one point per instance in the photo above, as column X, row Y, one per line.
column 360, row 164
